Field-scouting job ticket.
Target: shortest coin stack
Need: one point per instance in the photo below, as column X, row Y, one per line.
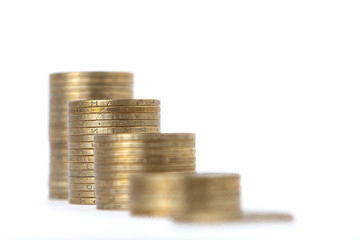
column 210, row 197
column 156, row 194
column 118, row 156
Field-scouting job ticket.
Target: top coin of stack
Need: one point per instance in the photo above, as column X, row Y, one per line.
column 209, row 198
column 119, row 156
column 91, row 117
column 73, row 86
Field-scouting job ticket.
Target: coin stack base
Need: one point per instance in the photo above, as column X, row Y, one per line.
column 119, row 156
column 92, row 117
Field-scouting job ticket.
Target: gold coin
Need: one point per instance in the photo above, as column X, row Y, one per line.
column 112, row 116
column 80, row 145
column 90, row 87
column 154, row 167
column 81, row 138
column 130, row 159
column 111, row 183
column 73, row 194
column 82, row 201
column 113, row 109
column 115, row 102
column 81, row 173
column 61, row 196
column 71, row 96
column 58, row 184
column 81, row 152
column 112, row 206
column 81, row 166
column 143, row 150
column 143, row 153
column 74, row 180
column 81, row 187
column 111, row 192
column 114, row 197
column 81, row 159
column 153, row 136
column 86, row 131
column 113, row 123
column 143, row 144
column 115, row 175
column 103, row 77
column 106, row 189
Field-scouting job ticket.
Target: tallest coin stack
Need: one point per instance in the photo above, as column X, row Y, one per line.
column 74, row 86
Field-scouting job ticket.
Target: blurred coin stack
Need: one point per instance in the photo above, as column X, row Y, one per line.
column 72, row 86
column 119, row 156
column 210, row 198
column 92, row 117
column 156, row 194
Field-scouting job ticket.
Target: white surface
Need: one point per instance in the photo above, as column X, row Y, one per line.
column 270, row 87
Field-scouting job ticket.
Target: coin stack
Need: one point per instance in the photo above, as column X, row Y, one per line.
column 119, row 156
column 72, row 86
column 209, row 198
column 156, row 194
column 91, row 117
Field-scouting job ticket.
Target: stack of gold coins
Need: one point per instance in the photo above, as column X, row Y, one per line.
column 91, row 117
column 72, row 86
column 119, row 156
column 210, row 198
column 156, row 194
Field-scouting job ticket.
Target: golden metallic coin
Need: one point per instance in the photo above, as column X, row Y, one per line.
column 58, row 184
column 111, row 183
column 115, row 102
column 61, row 99
column 120, row 165
column 153, row 136
column 145, row 154
column 73, row 194
column 81, row 152
column 103, row 170
column 81, row 166
column 213, row 182
column 112, row 206
column 113, row 123
column 81, row 173
column 145, row 160
column 113, row 109
column 88, row 76
column 115, row 175
column 209, row 216
column 87, row 131
column 92, row 90
column 82, row 201
column 61, row 196
column 80, row 145
column 112, row 190
column 81, row 187
column 81, row 159
column 74, row 180
column 149, row 144
column 114, row 197
column 81, row 138
column 92, row 87
column 113, row 116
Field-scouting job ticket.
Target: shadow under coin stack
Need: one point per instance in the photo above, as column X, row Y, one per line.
column 209, row 198
column 119, row 156
column 89, row 118
column 73, row 86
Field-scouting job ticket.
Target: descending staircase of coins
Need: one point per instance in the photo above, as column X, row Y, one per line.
column 107, row 150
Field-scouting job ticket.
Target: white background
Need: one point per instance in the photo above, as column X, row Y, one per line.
column 271, row 88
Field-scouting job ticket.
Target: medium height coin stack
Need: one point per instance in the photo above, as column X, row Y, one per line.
column 119, row 156
column 73, row 86
column 92, row 117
